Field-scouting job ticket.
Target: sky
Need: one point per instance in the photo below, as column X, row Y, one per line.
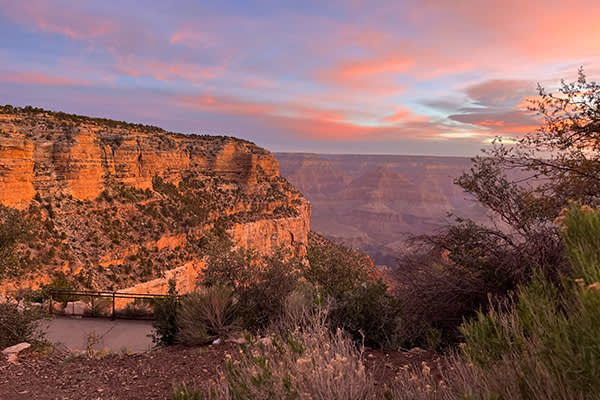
column 429, row 77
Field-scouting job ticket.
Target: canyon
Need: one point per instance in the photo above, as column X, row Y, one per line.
column 373, row 203
column 113, row 205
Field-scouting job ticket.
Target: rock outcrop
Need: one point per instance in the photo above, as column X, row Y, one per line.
column 116, row 204
column 43, row 154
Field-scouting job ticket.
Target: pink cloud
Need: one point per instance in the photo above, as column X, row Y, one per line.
column 37, row 78
column 371, row 75
column 49, row 17
column 224, row 106
column 195, row 39
column 404, row 115
column 313, row 123
column 502, row 31
column 167, row 71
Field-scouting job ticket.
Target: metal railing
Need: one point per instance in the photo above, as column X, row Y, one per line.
column 97, row 303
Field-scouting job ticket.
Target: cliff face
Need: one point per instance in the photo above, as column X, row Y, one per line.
column 42, row 154
column 116, row 204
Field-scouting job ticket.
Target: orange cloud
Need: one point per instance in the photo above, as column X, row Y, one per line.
column 505, row 122
column 327, row 130
column 373, row 76
column 398, row 116
column 359, row 69
column 536, row 30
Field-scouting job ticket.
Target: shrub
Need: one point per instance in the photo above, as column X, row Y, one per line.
column 206, row 314
column 19, row 324
column 139, row 308
column 545, row 343
column 335, row 269
column 358, row 301
column 449, row 276
column 368, row 313
column 260, row 284
column 43, row 293
column 165, row 314
column 13, row 229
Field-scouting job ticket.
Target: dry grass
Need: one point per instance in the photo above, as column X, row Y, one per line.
column 308, row 363
column 205, row 315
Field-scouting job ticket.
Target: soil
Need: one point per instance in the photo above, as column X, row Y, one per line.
column 148, row 375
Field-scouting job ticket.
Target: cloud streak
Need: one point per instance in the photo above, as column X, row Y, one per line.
column 306, row 74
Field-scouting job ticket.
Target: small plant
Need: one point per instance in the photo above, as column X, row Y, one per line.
column 165, row 312
column 182, row 392
column 19, row 323
column 206, row 314
column 92, row 339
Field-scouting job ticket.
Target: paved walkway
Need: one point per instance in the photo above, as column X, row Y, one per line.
column 73, row 334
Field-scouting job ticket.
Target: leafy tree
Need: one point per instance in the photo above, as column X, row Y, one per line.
column 525, row 186
column 358, row 299
column 19, row 324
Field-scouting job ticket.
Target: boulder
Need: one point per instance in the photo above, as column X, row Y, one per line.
column 12, row 351
column 75, row 308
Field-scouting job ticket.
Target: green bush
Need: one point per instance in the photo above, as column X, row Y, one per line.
column 545, row 343
column 260, row 284
column 19, row 325
column 333, row 268
column 369, row 313
column 270, row 288
column 13, row 229
column 165, row 314
column 358, row 301
column 43, row 293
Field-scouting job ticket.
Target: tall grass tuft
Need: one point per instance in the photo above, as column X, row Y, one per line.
column 206, row 314
column 310, row 362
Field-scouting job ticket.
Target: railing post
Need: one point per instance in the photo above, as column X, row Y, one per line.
column 113, row 312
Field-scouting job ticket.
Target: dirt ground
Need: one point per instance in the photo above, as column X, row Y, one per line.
column 149, row 375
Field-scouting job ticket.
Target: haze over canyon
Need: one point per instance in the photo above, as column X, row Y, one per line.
column 374, row 202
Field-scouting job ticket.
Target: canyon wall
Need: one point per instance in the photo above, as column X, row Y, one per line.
column 114, row 205
column 40, row 154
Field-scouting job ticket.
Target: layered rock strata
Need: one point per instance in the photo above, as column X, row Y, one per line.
column 116, row 204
